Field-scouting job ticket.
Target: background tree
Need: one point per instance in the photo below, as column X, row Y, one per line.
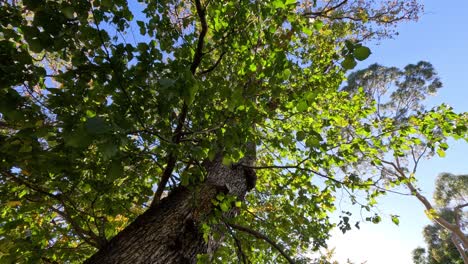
column 398, row 94
column 184, row 131
column 443, row 246
column 440, row 248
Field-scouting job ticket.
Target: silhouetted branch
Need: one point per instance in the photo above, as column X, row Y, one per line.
column 263, row 237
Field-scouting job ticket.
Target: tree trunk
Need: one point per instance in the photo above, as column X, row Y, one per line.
column 169, row 232
column 459, row 247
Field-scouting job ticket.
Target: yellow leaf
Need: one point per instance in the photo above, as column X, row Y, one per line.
column 13, row 203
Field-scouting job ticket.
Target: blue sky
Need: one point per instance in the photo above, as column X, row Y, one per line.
column 440, row 37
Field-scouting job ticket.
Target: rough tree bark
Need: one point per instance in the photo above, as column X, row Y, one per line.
column 169, row 232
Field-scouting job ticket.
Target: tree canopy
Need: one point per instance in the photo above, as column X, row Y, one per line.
column 450, row 197
column 107, row 107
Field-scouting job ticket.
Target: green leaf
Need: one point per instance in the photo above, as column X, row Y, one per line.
column 23, row 193
column 318, row 24
column 35, row 45
column 376, row 219
column 361, row 53
column 185, row 178
column 395, row 219
column 224, row 207
column 312, row 142
column 142, row 26
column 302, row 106
column 90, row 113
column 227, row 161
column 78, row 139
column 68, row 12
column 106, row 3
column 25, row 148
column 441, row 152
column 349, row 44
column 211, row 154
column 166, row 83
column 307, row 31
column 108, row 149
column 300, row 135
column 220, row 196
column 96, row 125
column 116, row 170
column 189, row 92
column 279, row 4
column 348, row 63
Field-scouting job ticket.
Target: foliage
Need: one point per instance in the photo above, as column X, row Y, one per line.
column 399, row 96
column 450, row 195
column 101, row 100
column 440, row 248
column 450, row 190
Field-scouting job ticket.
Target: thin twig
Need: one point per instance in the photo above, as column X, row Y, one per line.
column 325, row 11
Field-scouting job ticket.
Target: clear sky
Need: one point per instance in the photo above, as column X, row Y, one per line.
column 440, row 37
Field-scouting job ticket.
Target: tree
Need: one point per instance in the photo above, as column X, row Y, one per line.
column 214, row 125
column 398, row 94
column 440, row 248
column 443, row 246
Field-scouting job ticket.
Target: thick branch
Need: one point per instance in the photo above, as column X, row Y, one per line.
column 458, row 207
column 263, row 237
column 201, row 38
column 172, row 158
column 240, row 252
column 459, row 248
column 83, row 234
column 429, row 208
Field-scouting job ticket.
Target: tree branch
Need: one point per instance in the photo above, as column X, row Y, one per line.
column 321, row 175
column 214, row 65
column 263, row 237
column 93, row 240
column 172, row 158
column 460, row 250
column 240, row 252
column 324, row 11
column 201, row 38
column 88, row 237
column 29, row 185
column 429, row 208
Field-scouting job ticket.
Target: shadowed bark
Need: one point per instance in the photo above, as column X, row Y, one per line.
column 169, row 232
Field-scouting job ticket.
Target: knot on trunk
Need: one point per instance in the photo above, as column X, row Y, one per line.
column 237, row 178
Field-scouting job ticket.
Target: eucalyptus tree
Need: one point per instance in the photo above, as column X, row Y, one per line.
column 181, row 131
column 443, row 245
column 439, row 245
column 399, row 96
